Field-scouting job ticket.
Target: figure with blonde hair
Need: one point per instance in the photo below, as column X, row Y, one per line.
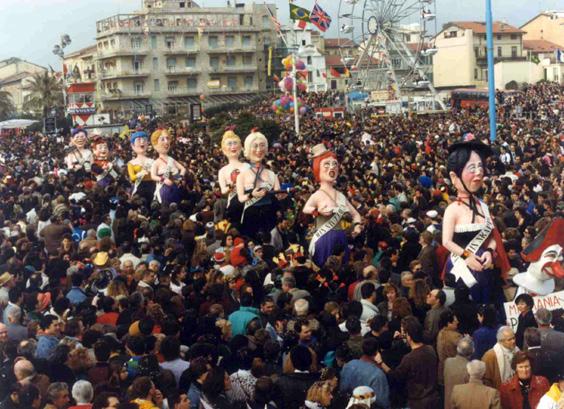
column 254, row 188
column 329, row 206
column 227, row 176
column 165, row 170
column 139, row 168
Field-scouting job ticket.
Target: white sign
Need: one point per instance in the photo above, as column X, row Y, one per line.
column 551, row 302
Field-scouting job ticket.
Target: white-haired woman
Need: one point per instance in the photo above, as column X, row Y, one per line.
column 253, row 187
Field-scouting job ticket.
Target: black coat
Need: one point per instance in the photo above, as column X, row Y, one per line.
column 292, row 389
column 525, row 321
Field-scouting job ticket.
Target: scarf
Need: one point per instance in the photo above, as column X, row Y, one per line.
column 504, row 356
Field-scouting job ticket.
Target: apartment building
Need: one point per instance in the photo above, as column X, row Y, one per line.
column 173, row 53
column 548, row 25
column 461, row 58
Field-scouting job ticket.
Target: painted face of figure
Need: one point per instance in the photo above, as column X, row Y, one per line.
column 258, row 150
column 329, row 170
column 139, row 146
column 472, row 175
column 163, row 143
column 79, row 140
column 101, row 151
column 232, row 148
column 549, row 264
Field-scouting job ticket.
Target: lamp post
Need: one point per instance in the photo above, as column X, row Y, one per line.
column 58, row 50
column 491, row 77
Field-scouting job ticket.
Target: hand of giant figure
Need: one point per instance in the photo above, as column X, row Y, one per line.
column 79, row 157
column 165, row 170
column 328, row 206
column 545, row 257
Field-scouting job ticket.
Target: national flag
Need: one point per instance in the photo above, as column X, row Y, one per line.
column 300, row 25
column 277, row 24
column 559, row 56
column 324, row 75
column 299, row 13
column 319, row 18
column 347, row 72
column 334, row 72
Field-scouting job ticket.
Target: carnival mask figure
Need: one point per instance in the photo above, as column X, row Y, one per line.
column 545, row 255
column 255, row 186
column 468, row 230
column 139, row 168
column 79, row 157
column 227, row 176
column 328, row 206
column 166, row 171
column 102, row 167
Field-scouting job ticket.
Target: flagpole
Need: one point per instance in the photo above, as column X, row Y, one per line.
column 295, row 86
column 491, row 78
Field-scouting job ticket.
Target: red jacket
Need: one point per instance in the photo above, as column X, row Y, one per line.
column 510, row 392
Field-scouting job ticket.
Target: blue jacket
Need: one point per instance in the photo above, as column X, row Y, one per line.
column 361, row 372
column 46, row 344
column 484, row 338
column 240, row 318
column 76, row 295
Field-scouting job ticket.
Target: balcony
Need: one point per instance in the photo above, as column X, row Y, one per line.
column 114, row 74
column 482, row 59
column 182, row 92
column 121, row 52
column 222, row 48
column 119, row 95
column 175, row 70
column 178, row 50
column 238, row 68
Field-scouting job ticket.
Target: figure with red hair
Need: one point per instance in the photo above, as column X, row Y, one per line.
column 102, row 167
column 329, row 206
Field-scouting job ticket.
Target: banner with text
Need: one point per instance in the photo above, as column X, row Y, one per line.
column 551, row 302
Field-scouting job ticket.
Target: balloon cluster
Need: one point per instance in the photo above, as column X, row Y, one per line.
column 286, row 103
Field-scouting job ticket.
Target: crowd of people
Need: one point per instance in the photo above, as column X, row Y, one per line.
column 114, row 297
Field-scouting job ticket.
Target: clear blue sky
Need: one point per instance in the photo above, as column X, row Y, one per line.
column 30, row 28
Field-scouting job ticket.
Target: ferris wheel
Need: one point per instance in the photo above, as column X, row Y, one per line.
column 393, row 45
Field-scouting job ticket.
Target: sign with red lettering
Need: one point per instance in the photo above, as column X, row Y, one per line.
column 551, row 302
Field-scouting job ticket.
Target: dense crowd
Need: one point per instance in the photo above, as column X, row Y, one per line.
column 111, row 301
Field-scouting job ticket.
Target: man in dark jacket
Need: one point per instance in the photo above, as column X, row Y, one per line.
column 292, row 388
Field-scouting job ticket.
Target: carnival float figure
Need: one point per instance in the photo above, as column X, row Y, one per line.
column 102, row 167
column 330, row 208
column 79, row 158
column 468, row 229
column 139, row 168
column 227, row 176
column 545, row 257
column 258, row 188
column 166, row 171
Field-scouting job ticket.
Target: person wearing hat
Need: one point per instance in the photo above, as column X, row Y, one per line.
column 253, row 186
column 79, row 157
column 554, row 398
column 328, row 206
column 545, row 257
column 139, row 168
column 6, row 283
column 468, row 229
column 165, row 170
column 227, row 175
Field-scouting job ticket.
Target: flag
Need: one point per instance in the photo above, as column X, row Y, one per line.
column 269, row 61
column 334, row 72
column 319, row 18
column 300, row 25
column 535, row 59
column 347, row 72
column 559, row 55
column 299, row 13
column 277, row 24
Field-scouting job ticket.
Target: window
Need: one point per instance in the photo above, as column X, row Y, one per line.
column 476, row 52
column 499, row 36
column 229, row 41
column 241, row 19
column 396, row 62
column 156, row 85
column 408, row 38
column 230, row 60
column 170, row 42
column 155, row 63
column 475, row 73
column 249, row 80
column 182, row 4
column 112, row 43
column 246, row 41
column 247, row 59
column 333, row 84
column 514, row 51
column 214, row 62
column 309, row 76
column 136, row 42
column 172, row 86
column 189, row 42
column 137, row 65
column 265, row 22
column 308, row 60
column 232, row 83
column 191, row 62
column 192, row 83
column 171, row 63
column 303, row 42
column 212, row 42
column 137, row 88
column 153, row 42
column 513, row 36
column 499, row 51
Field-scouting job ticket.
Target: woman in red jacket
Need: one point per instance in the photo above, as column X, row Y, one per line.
column 524, row 390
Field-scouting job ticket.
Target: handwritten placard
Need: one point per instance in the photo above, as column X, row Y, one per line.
column 551, row 302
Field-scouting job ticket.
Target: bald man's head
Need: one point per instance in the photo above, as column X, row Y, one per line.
column 23, row 369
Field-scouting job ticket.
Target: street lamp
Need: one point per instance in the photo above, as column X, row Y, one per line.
column 58, row 50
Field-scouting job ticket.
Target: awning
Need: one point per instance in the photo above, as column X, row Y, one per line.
column 16, row 123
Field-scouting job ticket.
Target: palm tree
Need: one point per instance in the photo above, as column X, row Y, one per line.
column 46, row 93
column 6, row 105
